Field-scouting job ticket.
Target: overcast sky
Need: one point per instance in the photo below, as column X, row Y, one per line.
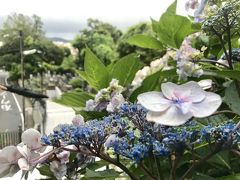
column 68, row 16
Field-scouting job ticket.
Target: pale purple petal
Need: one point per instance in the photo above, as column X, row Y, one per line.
column 63, row 156
column 23, row 164
column 207, row 107
column 171, row 117
column 153, row 101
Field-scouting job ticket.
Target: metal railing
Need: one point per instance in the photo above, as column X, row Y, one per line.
column 10, row 138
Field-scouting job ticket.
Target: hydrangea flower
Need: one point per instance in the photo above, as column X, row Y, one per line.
column 186, row 53
column 8, row 159
column 78, row 120
column 155, row 65
column 176, row 104
column 59, row 170
column 109, row 98
column 32, row 138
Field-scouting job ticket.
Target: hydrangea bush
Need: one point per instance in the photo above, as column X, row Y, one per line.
column 177, row 118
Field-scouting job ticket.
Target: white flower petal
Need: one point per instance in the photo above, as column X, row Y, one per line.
column 168, row 90
column 197, row 93
column 185, row 107
column 24, row 150
column 153, row 101
column 171, row 117
column 78, row 120
column 10, row 153
column 189, row 91
column 23, row 164
column 207, row 107
column 4, row 169
column 205, row 83
column 110, row 140
column 32, row 138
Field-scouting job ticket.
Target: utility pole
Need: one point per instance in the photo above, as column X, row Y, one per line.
column 22, row 74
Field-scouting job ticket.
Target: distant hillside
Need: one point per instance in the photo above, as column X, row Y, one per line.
column 58, row 39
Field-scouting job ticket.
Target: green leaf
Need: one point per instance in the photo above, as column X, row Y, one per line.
column 200, row 176
column 172, row 29
column 233, row 74
column 125, row 69
column 97, row 165
column 151, row 82
column 83, row 75
column 89, row 115
column 154, row 25
column 172, row 8
column 237, row 66
column 215, row 120
column 145, row 41
column 148, row 84
column 222, row 159
column 109, row 173
column 230, row 177
column 232, row 98
column 45, row 171
column 74, row 99
column 95, row 71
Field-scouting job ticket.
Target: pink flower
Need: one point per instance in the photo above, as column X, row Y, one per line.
column 176, row 104
column 32, row 138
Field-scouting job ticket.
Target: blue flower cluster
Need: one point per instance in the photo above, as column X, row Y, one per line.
column 221, row 134
column 129, row 134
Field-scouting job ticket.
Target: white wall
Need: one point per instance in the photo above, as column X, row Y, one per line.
column 57, row 114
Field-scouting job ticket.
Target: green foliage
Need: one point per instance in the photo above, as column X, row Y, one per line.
column 230, row 177
column 145, row 41
column 146, row 55
column 105, row 174
column 74, row 99
column 233, row 74
column 45, row 171
column 96, row 74
column 125, row 69
column 98, row 165
column 172, row 29
column 33, row 37
column 76, row 82
column 151, row 83
column 68, row 65
column 232, row 97
column 101, row 38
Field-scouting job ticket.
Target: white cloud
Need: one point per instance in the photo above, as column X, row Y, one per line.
column 82, row 9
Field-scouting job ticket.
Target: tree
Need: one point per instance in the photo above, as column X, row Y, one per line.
column 101, row 38
column 124, row 48
column 33, row 37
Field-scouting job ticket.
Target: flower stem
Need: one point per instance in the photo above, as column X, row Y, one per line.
column 147, row 172
column 160, row 174
column 210, row 61
column 189, row 171
column 118, row 164
column 235, row 152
